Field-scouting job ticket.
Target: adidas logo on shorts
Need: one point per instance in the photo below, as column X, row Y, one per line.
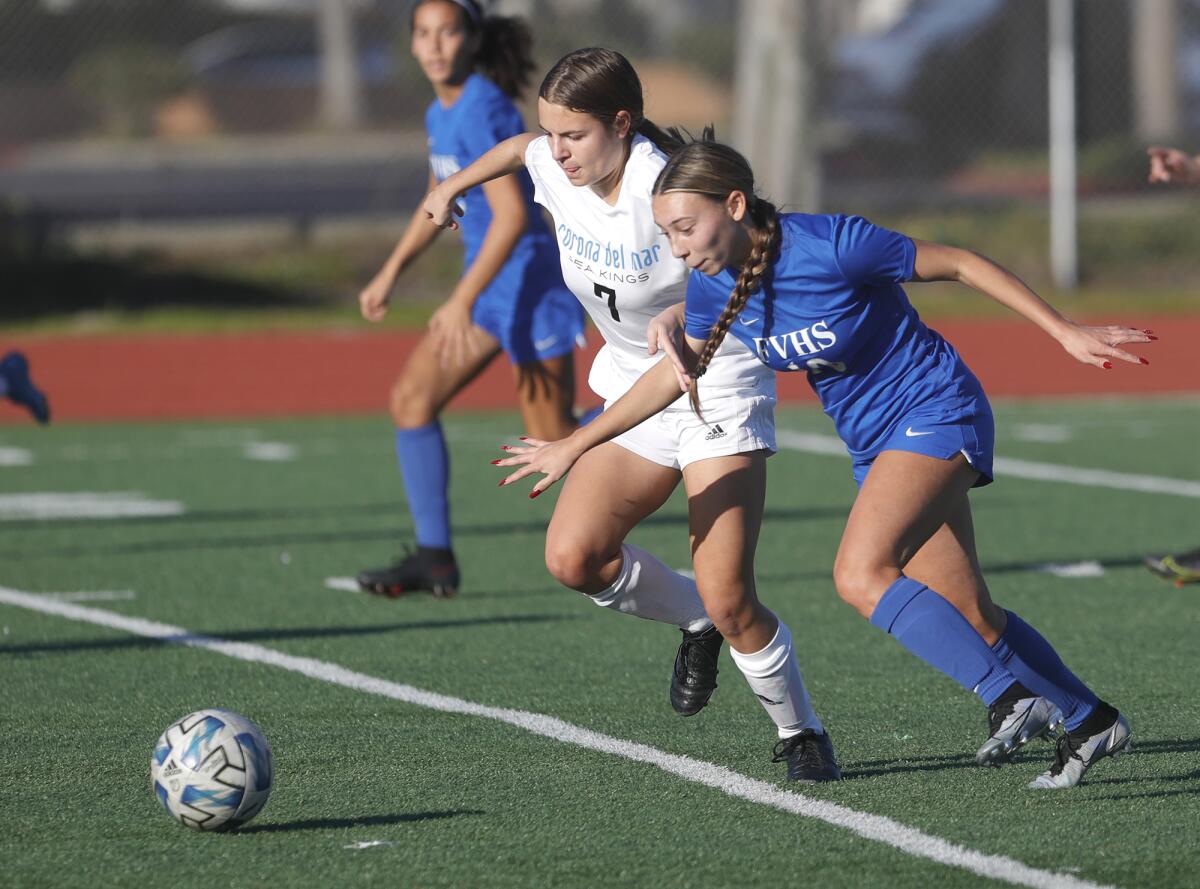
column 715, row 432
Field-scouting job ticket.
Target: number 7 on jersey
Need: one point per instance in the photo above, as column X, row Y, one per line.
column 602, row 292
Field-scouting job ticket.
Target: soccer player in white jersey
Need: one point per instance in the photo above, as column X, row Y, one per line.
column 593, row 169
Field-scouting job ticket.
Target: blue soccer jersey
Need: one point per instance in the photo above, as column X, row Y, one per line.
column 832, row 305
column 526, row 305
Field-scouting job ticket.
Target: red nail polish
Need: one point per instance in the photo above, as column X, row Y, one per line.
column 533, row 494
column 495, row 462
column 505, row 448
column 1143, row 360
column 1107, row 365
column 1147, row 331
column 1152, row 337
column 502, row 483
column 523, row 438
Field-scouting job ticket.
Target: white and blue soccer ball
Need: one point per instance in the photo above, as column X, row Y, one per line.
column 212, row 770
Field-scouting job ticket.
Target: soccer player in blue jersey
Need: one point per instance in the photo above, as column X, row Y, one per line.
column 511, row 297
column 822, row 294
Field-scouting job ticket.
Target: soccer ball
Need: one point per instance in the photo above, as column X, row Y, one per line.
column 212, row 770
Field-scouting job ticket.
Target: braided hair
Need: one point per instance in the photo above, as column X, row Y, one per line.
column 714, row 170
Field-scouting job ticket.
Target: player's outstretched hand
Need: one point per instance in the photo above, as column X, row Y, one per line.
column 664, row 334
column 1172, row 165
column 1098, row 346
column 373, row 301
column 551, row 458
column 441, row 206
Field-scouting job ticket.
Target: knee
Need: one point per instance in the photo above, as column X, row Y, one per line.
column 861, row 586
column 571, row 564
column 410, row 404
column 732, row 616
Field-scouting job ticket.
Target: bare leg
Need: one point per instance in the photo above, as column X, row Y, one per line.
column 424, row 386
column 606, row 494
column 546, row 391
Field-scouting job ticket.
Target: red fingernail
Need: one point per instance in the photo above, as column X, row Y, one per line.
column 1147, row 331
column 1143, row 360
column 495, row 462
column 503, row 482
column 1152, row 336
column 505, row 448
column 1107, row 366
column 533, row 494
column 523, row 438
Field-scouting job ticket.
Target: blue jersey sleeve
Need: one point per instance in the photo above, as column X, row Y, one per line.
column 495, row 120
column 706, row 300
column 868, row 254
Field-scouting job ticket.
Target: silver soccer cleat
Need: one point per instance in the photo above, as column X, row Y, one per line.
column 1016, row 724
column 1075, row 756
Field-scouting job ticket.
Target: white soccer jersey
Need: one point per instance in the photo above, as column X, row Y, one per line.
column 619, row 265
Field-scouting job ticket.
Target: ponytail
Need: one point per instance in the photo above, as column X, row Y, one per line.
column 506, row 54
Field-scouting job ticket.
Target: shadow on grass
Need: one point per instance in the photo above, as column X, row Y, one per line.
column 246, row 541
column 366, row 821
column 275, row 634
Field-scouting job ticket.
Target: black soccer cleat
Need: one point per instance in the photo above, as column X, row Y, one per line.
column 809, row 757
column 431, row 570
column 694, row 678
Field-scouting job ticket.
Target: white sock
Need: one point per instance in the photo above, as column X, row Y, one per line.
column 649, row 589
column 774, row 676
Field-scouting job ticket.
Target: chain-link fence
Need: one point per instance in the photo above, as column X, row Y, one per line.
column 311, row 109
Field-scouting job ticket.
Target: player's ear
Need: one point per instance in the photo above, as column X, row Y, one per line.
column 622, row 124
column 736, row 205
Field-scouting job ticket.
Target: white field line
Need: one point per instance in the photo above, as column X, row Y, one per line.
column 1089, row 568
column 344, row 584
column 270, row 451
column 99, row 596
column 16, row 457
column 50, row 505
column 872, row 827
column 1028, row 469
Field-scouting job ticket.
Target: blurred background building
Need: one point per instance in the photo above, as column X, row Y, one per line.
column 124, row 123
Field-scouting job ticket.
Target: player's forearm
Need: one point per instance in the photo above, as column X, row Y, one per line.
column 505, row 158
column 498, row 244
column 938, row 262
column 417, row 237
column 654, row 390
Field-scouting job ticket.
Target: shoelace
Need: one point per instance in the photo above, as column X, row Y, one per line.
column 810, row 755
column 1063, row 753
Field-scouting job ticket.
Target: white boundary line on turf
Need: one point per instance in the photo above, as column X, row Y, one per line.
column 813, row 443
column 872, row 827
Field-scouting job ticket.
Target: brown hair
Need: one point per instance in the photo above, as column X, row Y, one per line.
column 602, row 83
column 714, row 170
column 505, row 55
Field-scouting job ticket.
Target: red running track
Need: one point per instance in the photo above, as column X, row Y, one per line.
column 287, row 374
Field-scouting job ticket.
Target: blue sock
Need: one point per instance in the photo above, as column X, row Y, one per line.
column 591, row 415
column 1038, row 667
column 934, row 630
column 425, row 468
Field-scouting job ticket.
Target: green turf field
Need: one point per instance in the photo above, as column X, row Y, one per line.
column 374, row 790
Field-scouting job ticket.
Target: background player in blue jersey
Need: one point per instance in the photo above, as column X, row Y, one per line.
column 1172, row 165
column 822, row 294
column 511, row 297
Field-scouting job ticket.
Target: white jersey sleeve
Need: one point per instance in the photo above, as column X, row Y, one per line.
column 619, row 265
